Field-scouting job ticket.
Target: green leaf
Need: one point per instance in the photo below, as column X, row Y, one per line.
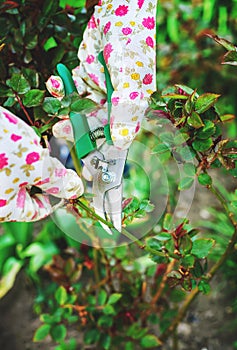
column 185, row 183
column 207, row 131
column 58, row 332
column 105, row 321
column 91, row 336
column 11, row 268
column 105, row 341
column 230, row 58
column 201, row 247
column 154, row 243
column 168, row 221
column 227, row 117
column 114, row 298
column 204, row 287
column 42, row 332
column 188, row 261
column 195, row 121
column 129, row 346
column 83, row 104
column 18, row 83
column 161, row 148
column 50, row 44
column 202, row 145
column 61, row 295
column 205, row 101
column 51, row 105
column 33, row 98
column 225, row 43
column 185, row 244
column 186, row 153
column 150, row 341
column 102, row 296
column 163, row 236
column 205, row 179
column 109, row 310
column 185, row 88
column 189, row 169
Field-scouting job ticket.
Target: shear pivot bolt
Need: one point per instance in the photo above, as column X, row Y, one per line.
column 107, row 177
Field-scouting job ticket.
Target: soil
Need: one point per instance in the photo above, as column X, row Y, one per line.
column 206, row 326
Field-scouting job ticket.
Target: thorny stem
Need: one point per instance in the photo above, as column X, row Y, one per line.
column 194, row 293
column 23, row 108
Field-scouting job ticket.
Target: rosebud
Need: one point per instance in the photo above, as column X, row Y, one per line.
column 55, row 86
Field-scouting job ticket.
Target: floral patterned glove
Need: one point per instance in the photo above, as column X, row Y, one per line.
column 23, row 164
column 125, row 30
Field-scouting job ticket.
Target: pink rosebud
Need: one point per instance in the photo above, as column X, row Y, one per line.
column 55, row 86
column 150, row 42
column 149, row 22
column 3, row 160
column 122, row 10
column 126, row 31
column 32, row 157
column 147, row 79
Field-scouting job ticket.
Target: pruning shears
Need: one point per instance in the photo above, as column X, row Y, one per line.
column 106, row 162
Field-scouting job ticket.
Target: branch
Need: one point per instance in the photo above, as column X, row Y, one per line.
column 189, row 299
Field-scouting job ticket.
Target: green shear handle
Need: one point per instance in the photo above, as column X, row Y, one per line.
column 84, row 144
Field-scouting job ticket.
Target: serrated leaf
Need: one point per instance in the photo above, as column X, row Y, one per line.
column 33, row 98
column 114, row 298
column 204, row 179
column 185, row 183
column 201, row 247
column 18, row 83
column 205, row 101
column 175, row 96
column 42, row 332
column 195, row 121
column 163, row 236
column 150, row 341
column 185, row 244
column 61, row 295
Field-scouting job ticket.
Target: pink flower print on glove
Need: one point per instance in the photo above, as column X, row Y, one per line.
column 26, row 164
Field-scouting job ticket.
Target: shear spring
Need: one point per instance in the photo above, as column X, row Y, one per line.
column 97, row 134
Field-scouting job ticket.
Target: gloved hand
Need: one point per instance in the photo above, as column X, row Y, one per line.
column 23, row 164
column 126, row 33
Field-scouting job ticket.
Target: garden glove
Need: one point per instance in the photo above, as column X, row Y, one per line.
column 25, row 163
column 126, row 33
